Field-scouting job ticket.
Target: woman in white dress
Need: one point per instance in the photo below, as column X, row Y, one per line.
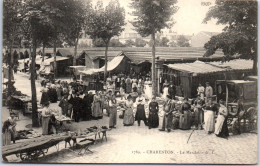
column 129, row 114
column 165, row 89
column 221, row 129
column 209, row 117
column 148, row 88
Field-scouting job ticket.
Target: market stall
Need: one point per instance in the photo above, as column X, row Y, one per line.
column 187, row 76
column 62, row 120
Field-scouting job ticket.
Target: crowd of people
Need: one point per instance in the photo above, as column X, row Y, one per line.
column 135, row 100
column 135, row 94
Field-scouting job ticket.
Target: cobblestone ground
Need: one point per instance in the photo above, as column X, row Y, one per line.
column 136, row 144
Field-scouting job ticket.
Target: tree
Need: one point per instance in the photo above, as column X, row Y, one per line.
column 182, row 41
column 36, row 16
column 98, row 42
column 172, row 44
column 58, row 22
column 240, row 33
column 11, row 30
column 164, row 42
column 139, row 42
column 129, row 43
column 157, row 42
column 75, row 16
column 151, row 17
column 115, row 43
column 105, row 23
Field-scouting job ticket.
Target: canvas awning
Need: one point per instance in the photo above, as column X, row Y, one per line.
column 58, row 58
column 78, row 67
column 89, row 71
column 111, row 65
column 199, row 67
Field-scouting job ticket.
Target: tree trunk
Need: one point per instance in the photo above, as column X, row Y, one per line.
column 105, row 72
column 10, row 67
column 54, row 56
column 255, row 66
column 75, row 52
column 35, row 122
column 43, row 51
column 153, row 65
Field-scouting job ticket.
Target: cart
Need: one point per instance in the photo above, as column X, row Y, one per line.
column 241, row 100
column 34, row 148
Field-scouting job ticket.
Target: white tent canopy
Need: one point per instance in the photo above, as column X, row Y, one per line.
column 112, row 64
column 89, row 71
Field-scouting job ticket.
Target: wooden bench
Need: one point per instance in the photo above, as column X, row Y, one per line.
column 84, row 145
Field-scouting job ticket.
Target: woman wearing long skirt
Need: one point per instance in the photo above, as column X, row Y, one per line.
column 129, row 114
column 96, row 108
column 185, row 120
column 140, row 112
column 221, row 129
column 122, row 90
column 199, row 115
column 45, row 119
column 9, row 130
column 45, row 97
column 113, row 112
column 134, row 85
column 209, row 117
column 128, row 85
column 165, row 89
column 139, row 86
column 153, row 119
column 59, row 92
column 148, row 89
column 53, row 94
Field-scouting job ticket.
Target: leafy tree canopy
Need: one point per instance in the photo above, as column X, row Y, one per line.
column 153, row 15
column 105, row 23
column 240, row 33
column 182, row 41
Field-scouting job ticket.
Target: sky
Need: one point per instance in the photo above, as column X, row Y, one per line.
column 188, row 18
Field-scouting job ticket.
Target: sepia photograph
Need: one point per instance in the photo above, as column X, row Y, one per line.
column 129, row 81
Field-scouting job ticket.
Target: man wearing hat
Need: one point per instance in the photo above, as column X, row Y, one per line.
column 172, row 90
column 64, row 104
column 201, row 91
column 87, row 101
column 76, row 102
column 167, row 118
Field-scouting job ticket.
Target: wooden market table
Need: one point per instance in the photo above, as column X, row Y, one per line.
column 62, row 120
column 87, row 141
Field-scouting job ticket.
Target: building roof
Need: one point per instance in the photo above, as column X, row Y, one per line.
column 199, row 67
column 65, row 52
column 237, row 64
column 95, row 54
column 138, row 55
